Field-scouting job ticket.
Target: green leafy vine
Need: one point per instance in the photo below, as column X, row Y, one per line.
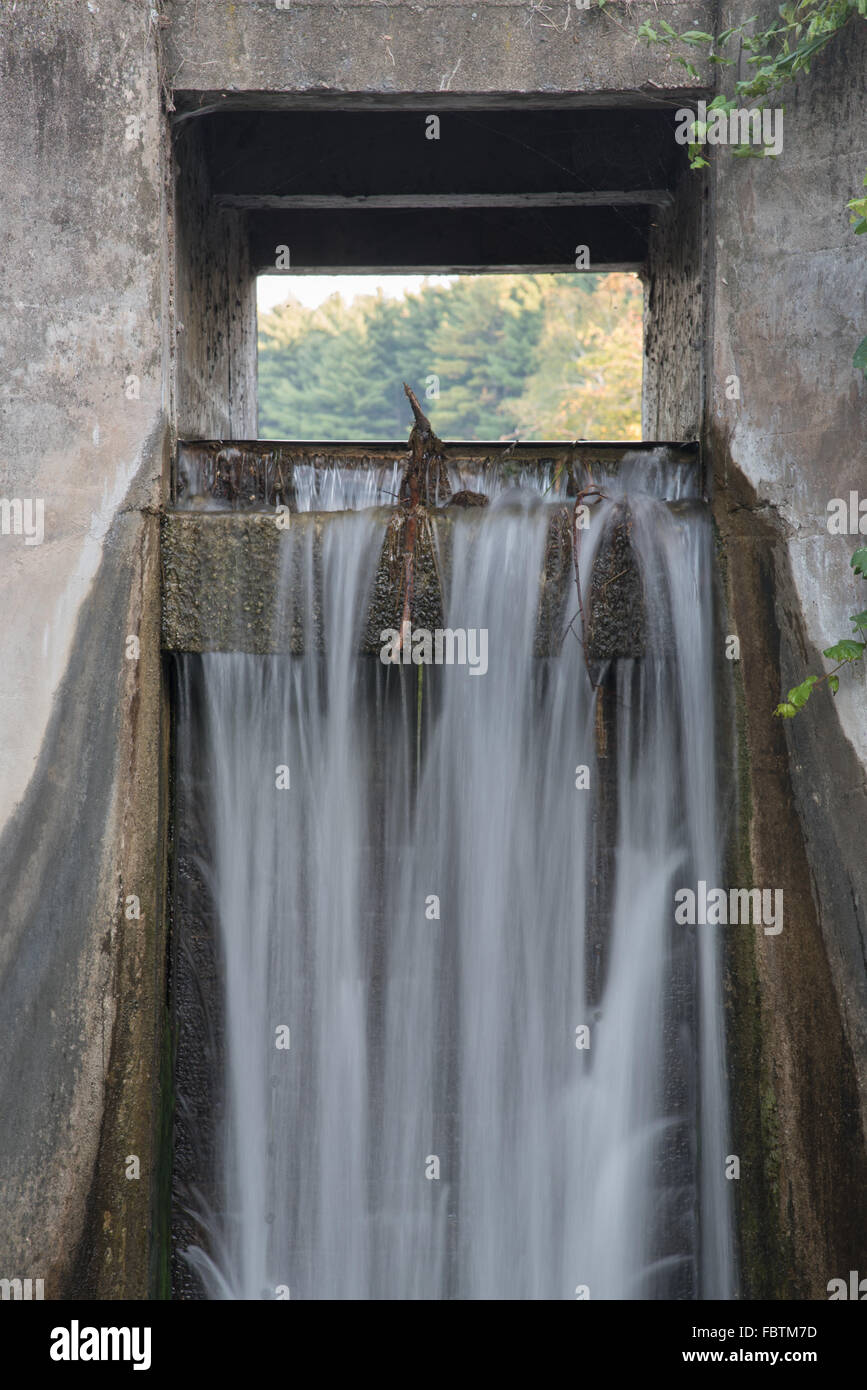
column 844, row 652
column 776, row 56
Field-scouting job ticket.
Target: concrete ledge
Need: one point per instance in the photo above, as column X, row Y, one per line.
column 224, row 588
column 245, row 474
column 222, row 52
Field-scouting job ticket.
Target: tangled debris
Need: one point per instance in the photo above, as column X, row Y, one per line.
column 409, row 539
column 465, row 498
column 426, row 477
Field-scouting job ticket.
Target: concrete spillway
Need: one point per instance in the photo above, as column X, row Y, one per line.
column 229, row 563
column 438, row 1035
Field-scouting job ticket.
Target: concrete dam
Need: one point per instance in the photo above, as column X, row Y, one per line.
column 408, row 890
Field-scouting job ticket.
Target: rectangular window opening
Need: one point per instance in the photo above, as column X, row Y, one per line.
column 492, row 357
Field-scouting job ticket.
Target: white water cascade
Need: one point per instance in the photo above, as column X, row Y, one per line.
column 436, row 912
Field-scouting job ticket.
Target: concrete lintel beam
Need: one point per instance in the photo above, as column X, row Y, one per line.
column 433, row 50
column 453, row 238
column 529, row 157
column 380, row 202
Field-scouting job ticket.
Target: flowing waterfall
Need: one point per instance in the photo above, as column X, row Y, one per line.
column 435, row 917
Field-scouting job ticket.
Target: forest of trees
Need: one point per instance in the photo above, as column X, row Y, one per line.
column 527, row 357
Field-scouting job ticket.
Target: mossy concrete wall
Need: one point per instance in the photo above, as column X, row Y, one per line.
column 786, row 429
column 86, row 407
column 238, row 582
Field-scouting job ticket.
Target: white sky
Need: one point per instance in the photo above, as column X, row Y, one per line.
column 313, row 290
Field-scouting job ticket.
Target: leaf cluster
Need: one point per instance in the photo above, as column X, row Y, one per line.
column 844, row 653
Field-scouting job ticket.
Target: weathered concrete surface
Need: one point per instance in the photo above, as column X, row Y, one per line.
column 673, row 384
column 85, row 404
column 803, row 1191
column 215, row 302
column 236, row 582
column 222, row 49
column 788, row 308
column 614, row 607
column 221, row 588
